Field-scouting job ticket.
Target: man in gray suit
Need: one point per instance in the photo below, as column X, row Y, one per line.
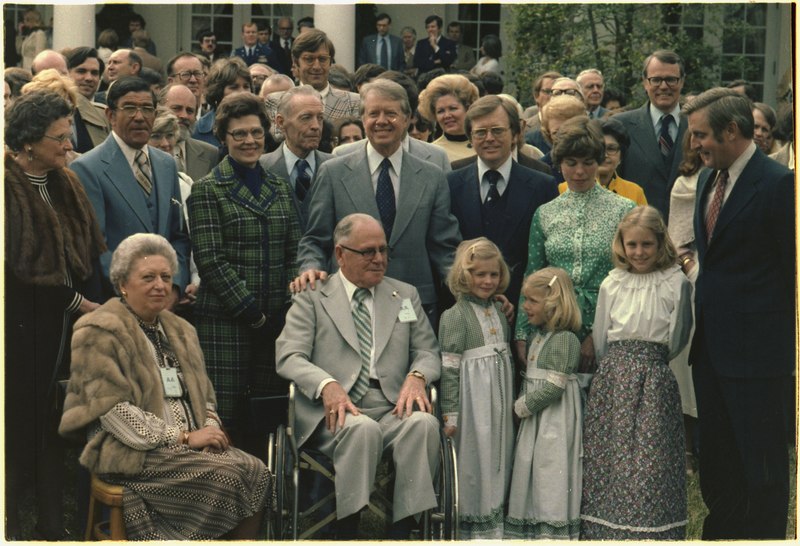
column 383, row 49
column 361, row 352
column 656, row 130
column 134, row 187
column 419, row 149
column 297, row 160
column 194, row 157
column 408, row 195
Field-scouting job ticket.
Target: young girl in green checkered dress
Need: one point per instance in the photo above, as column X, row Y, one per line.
column 545, row 497
column 477, row 387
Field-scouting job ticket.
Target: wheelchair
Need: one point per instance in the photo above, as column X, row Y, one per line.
column 285, row 460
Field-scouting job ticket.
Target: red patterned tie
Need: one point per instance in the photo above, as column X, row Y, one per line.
column 716, row 203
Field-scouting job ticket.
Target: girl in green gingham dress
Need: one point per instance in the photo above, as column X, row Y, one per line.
column 545, row 497
column 477, row 386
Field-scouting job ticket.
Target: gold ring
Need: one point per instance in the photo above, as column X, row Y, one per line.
column 333, row 412
column 418, row 398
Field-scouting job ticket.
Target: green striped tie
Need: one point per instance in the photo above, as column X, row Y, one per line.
column 363, row 323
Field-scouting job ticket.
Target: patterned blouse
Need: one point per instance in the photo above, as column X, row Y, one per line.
column 574, row 232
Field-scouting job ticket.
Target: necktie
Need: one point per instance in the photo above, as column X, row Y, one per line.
column 492, row 177
column 142, row 171
column 664, row 140
column 384, row 197
column 716, row 203
column 303, row 181
column 384, row 53
column 363, row 322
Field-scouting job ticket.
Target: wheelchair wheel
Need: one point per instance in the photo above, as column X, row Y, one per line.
column 285, row 516
column 442, row 522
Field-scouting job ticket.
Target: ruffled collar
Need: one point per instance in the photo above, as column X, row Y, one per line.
column 639, row 280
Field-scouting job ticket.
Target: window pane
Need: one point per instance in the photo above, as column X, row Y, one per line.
column 757, row 14
column 754, row 72
column 262, row 10
column 468, row 12
column 696, row 33
column 731, row 42
column 490, row 12
column 222, row 9
column 693, row 14
column 754, row 43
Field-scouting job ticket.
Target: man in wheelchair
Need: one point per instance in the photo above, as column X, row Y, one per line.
column 361, row 351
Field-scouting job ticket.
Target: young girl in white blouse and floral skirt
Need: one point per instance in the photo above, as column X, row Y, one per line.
column 634, row 481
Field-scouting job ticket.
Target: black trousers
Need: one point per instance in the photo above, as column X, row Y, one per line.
column 744, row 460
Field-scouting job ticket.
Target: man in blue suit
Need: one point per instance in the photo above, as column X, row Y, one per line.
column 253, row 51
column 495, row 197
column 134, row 187
column 435, row 51
column 383, row 48
column 743, row 351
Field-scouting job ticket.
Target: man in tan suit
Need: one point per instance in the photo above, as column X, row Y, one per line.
column 361, row 351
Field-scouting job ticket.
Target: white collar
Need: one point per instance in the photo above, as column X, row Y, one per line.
column 350, row 288
column 128, row 152
column 656, row 114
column 504, row 169
column 375, row 158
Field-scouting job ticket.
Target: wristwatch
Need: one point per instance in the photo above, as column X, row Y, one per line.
column 418, row 374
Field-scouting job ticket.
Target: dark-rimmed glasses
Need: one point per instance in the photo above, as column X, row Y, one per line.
column 370, row 253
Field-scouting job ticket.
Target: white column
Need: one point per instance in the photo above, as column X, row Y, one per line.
column 73, row 26
column 338, row 21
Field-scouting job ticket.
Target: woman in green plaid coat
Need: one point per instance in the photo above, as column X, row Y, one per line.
column 245, row 232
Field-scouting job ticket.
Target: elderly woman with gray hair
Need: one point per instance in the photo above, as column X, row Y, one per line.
column 139, row 393
column 52, row 248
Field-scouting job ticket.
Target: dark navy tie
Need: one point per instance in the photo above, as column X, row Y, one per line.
column 303, row 181
column 492, row 177
column 384, row 53
column 384, row 197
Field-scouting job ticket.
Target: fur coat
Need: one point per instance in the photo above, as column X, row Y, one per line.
column 112, row 362
column 42, row 241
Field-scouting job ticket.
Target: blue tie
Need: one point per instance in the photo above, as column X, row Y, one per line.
column 384, row 197
column 384, row 54
column 302, row 182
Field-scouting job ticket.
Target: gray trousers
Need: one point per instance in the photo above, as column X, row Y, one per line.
column 356, row 451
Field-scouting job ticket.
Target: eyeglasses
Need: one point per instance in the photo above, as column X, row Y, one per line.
column 370, row 253
column 158, row 136
column 187, row 74
column 284, row 28
column 497, row 132
column 130, row 110
column 546, row 91
column 60, row 139
column 655, row 81
column 324, row 60
column 612, row 150
column 559, row 92
column 240, row 135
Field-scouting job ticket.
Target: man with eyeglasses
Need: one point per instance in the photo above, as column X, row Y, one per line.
column 313, row 54
column 410, row 197
column 495, row 197
column 194, row 157
column 134, row 187
column 252, row 51
column 592, row 84
column 656, row 130
column 542, row 91
column 361, row 352
column 298, row 160
column 207, row 40
column 282, row 45
column 560, row 86
column 89, row 120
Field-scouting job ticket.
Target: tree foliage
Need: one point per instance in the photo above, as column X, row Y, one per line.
column 615, row 38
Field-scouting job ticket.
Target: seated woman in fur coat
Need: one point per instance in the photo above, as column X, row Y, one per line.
column 139, row 391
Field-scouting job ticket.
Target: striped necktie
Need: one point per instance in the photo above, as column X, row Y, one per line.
column 716, row 203
column 664, row 140
column 363, row 322
column 142, row 171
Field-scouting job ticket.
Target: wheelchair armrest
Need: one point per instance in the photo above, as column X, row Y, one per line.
column 290, row 419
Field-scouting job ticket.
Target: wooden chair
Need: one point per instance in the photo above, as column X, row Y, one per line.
column 105, row 494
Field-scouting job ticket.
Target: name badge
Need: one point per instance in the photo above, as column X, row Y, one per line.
column 407, row 313
column 172, row 386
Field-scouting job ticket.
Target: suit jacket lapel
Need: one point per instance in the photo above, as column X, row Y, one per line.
column 743, row 191
column 420, row 151
column 120, row 175
column 703, row 186
column 334, row 301
column 357, row 182
column 386, row 306
column 647, row 137
column 412, row 188
column 469, row 200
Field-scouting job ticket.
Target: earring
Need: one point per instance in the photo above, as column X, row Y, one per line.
column 30, row 154
column 124, row 294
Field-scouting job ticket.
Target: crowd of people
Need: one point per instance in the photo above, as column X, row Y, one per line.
column 604, row 294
